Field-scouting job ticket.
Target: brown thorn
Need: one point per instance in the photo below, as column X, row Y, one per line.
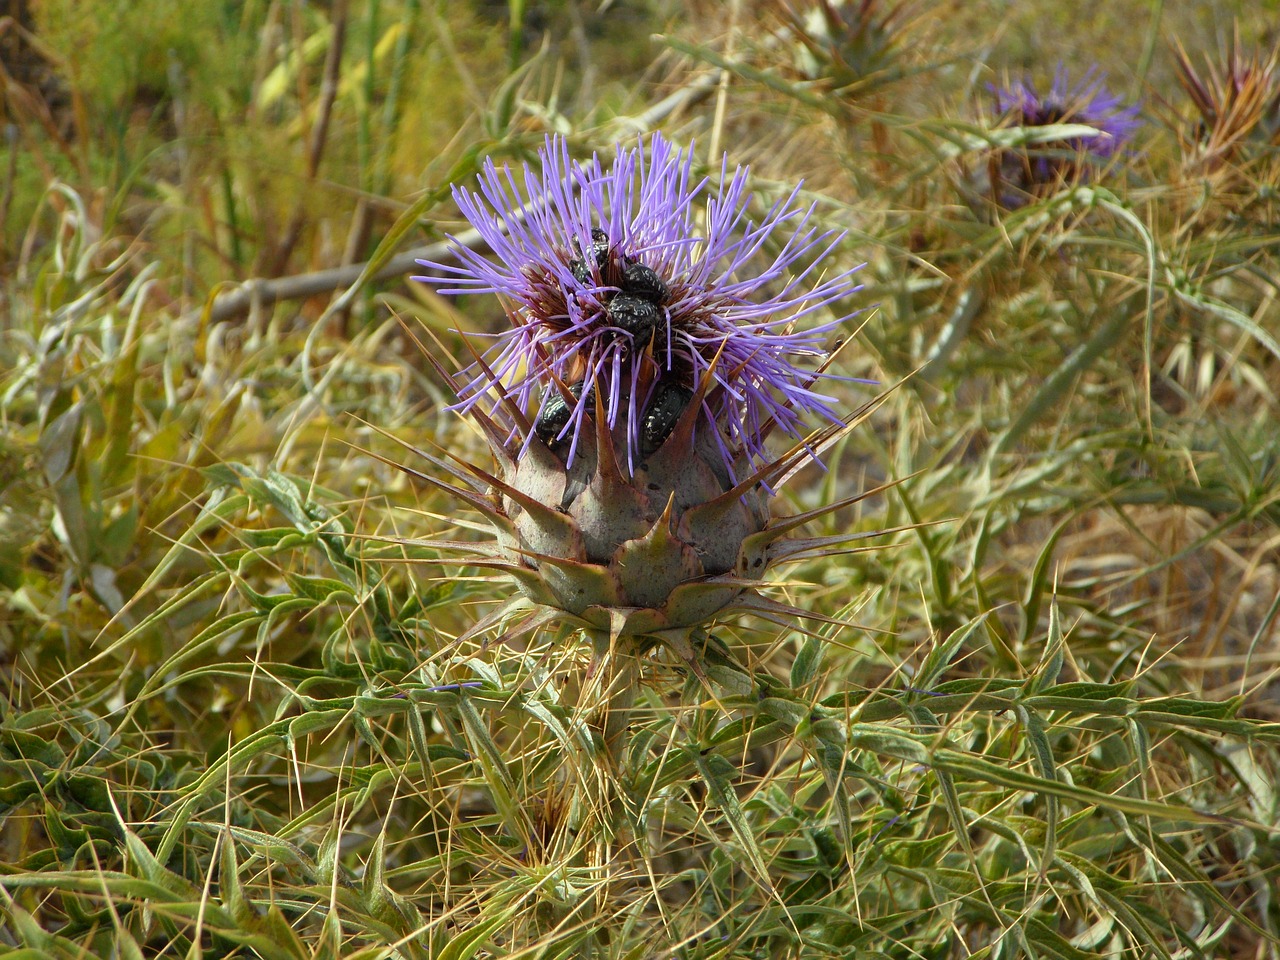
column 820, row 441
column 760, row 605
column 491, row 619
column 482, row 548
column 495, row 437
column 786, row 524
column 530, row 623
column 513, row 409
column 769, row 425
column 417, row 451
column 534, row 507
column 789, row 551
column 682, row 433
column 606, row 460
column 444, row 374
column 469, row 497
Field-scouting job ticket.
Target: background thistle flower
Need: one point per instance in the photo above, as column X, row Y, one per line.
column 654, row 346
column 1015, row 175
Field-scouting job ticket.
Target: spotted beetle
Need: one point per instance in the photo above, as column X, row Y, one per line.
column 640, row 281
column 636, row 316
column 555, row 415
column 579, row 267
column 668, row 402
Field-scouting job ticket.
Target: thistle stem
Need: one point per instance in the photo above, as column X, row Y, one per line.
column 615, row 670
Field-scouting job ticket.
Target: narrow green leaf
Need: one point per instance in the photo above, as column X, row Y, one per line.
column 466, row 945
column 805, row 666
column 1052, row 659
column 941, row 654
column 231, row 893
column 718, row 774
column 975, row 768
column 1042, row 757
column 283, row 935
column 502, row 786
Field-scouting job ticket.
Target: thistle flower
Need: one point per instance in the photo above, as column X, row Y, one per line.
column 611, row 284
column 655, row 343
column 1015, row 175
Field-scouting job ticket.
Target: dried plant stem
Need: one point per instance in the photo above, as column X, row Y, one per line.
column 611, row 692
column 319, row 132
column 263, row 292
column 10, row 175
column 722, row 92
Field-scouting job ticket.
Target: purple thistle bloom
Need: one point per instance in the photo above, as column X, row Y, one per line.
column 1048, row 165
column 624, row 281
column 1088, row 103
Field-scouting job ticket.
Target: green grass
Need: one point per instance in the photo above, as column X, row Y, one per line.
column 246, row 712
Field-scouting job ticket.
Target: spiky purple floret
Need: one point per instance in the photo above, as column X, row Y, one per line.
column 731, row 287
column 1087, row 102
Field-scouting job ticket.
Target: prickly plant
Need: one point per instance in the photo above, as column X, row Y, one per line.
column 657, row 339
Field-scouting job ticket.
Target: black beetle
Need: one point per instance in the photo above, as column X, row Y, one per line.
column 636, row 316
column 556, row 413
column 668, row 402
column 579, row 267
column 640, row 281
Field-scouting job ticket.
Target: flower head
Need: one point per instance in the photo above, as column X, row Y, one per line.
column 629, row 286
column 1071, row 159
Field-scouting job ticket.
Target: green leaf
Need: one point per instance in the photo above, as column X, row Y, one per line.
column 59, row 443
column 805, row 666
column 718, row 774
column 498, row 779
column 889, row 742
column 941, row 654
column 466, row 944
column 1042, row 756
column 1052, row 659
column 283, row 935
column 322, row 589
column 791, row 712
